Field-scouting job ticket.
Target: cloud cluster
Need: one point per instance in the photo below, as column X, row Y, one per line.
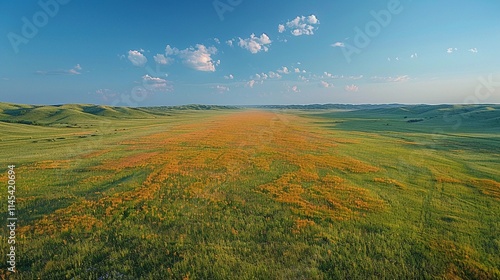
column 221, row 88
column 198, row 57
column 264, row 76
column 255, row 44
column 396, row 79
column 301, row 25
column 351, row 88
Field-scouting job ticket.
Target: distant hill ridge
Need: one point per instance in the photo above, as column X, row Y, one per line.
column 71, row 114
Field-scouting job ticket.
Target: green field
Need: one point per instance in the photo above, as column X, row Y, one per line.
column 208, row 192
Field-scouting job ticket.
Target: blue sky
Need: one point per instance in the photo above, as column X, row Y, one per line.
column 152, row 53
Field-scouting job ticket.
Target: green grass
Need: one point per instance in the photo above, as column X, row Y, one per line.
column 88, row 211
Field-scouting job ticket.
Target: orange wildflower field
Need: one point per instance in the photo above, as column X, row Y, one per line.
column 261, row 193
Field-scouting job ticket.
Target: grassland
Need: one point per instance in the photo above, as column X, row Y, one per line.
column 121, row 193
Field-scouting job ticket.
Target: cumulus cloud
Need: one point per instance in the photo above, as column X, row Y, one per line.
column 281, row 28
column 255, row 44
column 137, row 58
column 161, row 59
column 473, row 50
column 76, row 70
column 199, row 58
column 351, row 88
column 155, row 84
column 230, row 42
column 451, row 50
column 217, row 40
column 251, row 83
column 284, row 70
column 415, row 55
column 171, row 51
column 229, row 77
column 300, row 25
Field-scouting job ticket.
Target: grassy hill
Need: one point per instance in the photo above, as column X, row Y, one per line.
column 78, row 114
column 423, row 118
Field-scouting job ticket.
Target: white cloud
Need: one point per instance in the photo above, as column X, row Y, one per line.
column 396, row 79
column 351, row 88
column 294, row 89
column 255, row 44
column 161, row 59
column 171, row 51
column 251, row 83
column 137, row 58
column 473, row 50
column 328, row 75
column 155, row 84
column 230, row 42
column 270, row 75
column 281, row 28
column 312, row 19
column 301, row 25
column 229, row 77
column 284, row 70
column 338, row 45
column 415, row 55
column 221, row 88
column 274, row 75
column 325, row 84
column 199, row 58
column 217, row 40
column 451, row 50
column 73, row 71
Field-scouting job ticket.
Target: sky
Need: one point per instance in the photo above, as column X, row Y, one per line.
column 249, row 52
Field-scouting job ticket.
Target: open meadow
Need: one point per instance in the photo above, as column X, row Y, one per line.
column 408, row 192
